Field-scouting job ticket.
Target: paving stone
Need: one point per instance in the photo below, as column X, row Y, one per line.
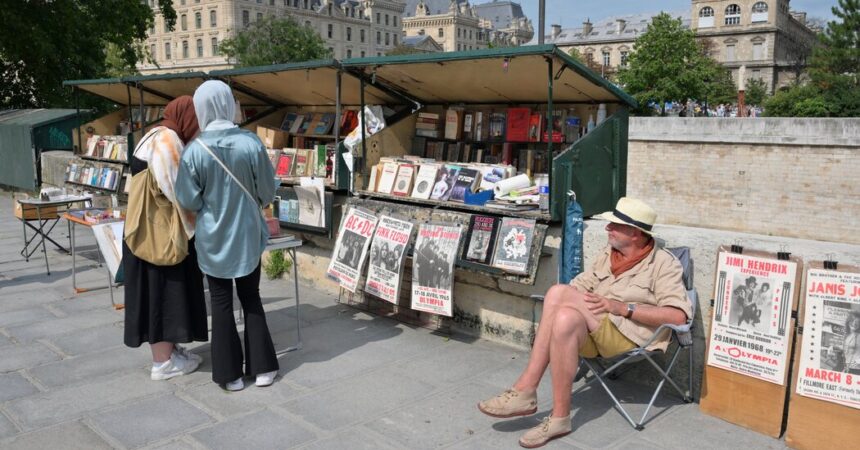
column 451, row 362
column 28, row 297
column 507, row 440
column 67, row 436
column 25, row 316
column 231, row 404
column 92, row 366
column 352, row 438
column 358, row 399
column 13, row 385
column 261, row 430
column 674, row 431
column 438, row 421
column 503, row 377
column 90, row 340
column 57, row 406
column 5, row 341
column 64, row 325
column 88, row 301
column 7, row 429
column 150, row 420
column 16, row 357
column 176, row 444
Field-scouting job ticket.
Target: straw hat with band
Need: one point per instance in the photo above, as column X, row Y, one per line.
column 632, row 212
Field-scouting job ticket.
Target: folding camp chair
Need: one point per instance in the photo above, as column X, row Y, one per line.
column 681, row 339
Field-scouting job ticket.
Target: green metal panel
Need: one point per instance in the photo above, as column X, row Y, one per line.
column 19, row 162
column 594, row 167
column 56, row 135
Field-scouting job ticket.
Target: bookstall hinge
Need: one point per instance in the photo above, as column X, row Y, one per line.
column 736, row 248
column 831, row 265
column 712, row 303
column 799, row 330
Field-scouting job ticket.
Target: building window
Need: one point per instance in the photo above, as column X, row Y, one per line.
column 152, row 51
column 259, row 17
column 730, row 53
column 441, row 32
column 378, row 38
column 183, row 22
column 361, row 35
column 624, row 56
column 184, row 49
column 458, row 33
column 759, row 12
column 271, row 2
column 605, row 59
column 387, row 39
column 213, row 18
column 348, row 33
column 386, row 20
column 308, row 23
column 362, row 53
column 198, row 20
column 200, row 48
column 706, row 17
column 152, row 3
column 394, row 39
column 166, row 28
column 246, row 18
column 330, row 31
column 733, row 15
column 378, row 18
column 470, row 34
column 214, row 46
column 349, row 53
column 394, row 18
column 305, row 4
column 758, row 51
column 167, row 50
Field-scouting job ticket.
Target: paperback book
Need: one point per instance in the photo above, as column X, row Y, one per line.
column 513, row 245
column 481, row 239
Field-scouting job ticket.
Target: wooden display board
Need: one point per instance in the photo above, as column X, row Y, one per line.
column 814, row 423
column 755, row 399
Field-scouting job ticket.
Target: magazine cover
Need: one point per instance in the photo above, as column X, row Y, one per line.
column 386, row 258
column 514, row 244
column 481, row 239
column 433, row 268
column 830, row 366
column 445, row 179
column 350, row 248
column 751, row 325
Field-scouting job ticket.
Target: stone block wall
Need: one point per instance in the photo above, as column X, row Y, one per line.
column 773, row 177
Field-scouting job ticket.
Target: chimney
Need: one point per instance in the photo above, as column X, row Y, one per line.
column 799, row 16
column 620, row 24
column 556, row 30
column 586, row 27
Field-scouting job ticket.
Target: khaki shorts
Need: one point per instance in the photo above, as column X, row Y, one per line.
column 606, row 341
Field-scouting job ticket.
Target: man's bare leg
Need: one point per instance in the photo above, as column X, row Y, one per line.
column 568, row 334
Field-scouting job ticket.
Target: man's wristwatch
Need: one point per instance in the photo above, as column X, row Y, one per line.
column 630, row 308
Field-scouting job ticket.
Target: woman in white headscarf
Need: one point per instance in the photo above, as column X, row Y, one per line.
column 231, row 233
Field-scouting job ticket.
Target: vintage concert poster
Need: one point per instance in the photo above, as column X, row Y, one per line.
column 433, row 268
column 751, row 324
column 830, row 357
column 350, row 250
column 386, row 258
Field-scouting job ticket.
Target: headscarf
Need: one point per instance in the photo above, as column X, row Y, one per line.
column 215, row 106
column 179, row 116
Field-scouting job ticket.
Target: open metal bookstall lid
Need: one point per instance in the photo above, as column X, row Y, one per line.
column 492, row 76
column 311, row 83
column 157, row 90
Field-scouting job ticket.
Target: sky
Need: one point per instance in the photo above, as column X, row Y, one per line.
column 571, row 13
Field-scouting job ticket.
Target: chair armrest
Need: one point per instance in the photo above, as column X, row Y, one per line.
column 536, row 297
column 682, row 331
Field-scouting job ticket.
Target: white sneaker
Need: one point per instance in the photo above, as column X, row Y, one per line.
column 266, row 379
column 173, row 367
column 186, row 353
column 235, row 385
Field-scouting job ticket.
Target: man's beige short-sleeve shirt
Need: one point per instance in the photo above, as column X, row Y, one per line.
column 656, row 280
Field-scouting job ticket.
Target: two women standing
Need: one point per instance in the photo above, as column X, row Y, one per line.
column 222, row 179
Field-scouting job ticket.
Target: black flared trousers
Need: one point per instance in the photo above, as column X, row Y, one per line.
column 227, row 357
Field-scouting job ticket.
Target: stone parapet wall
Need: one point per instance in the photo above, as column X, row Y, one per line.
column 778, row 177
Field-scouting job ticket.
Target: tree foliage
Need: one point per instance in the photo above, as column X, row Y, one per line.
column 668, row 64
column 43, row 43
column 274, row 40
column 755, row 91
column 834, row 71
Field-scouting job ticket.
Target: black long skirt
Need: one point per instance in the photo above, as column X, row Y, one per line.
column 163, row 303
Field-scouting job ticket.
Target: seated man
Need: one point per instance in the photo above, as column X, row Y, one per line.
column 632, row 289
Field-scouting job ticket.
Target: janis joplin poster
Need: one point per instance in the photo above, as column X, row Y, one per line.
column 350, row 249
column 830, row 357
column 751, row 325
column 433, row 268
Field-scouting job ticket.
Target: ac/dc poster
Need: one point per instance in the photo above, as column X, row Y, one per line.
column 351, row 248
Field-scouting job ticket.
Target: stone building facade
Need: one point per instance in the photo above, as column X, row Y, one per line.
column 764, row 36
column 458, row 25
column 350, row 28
